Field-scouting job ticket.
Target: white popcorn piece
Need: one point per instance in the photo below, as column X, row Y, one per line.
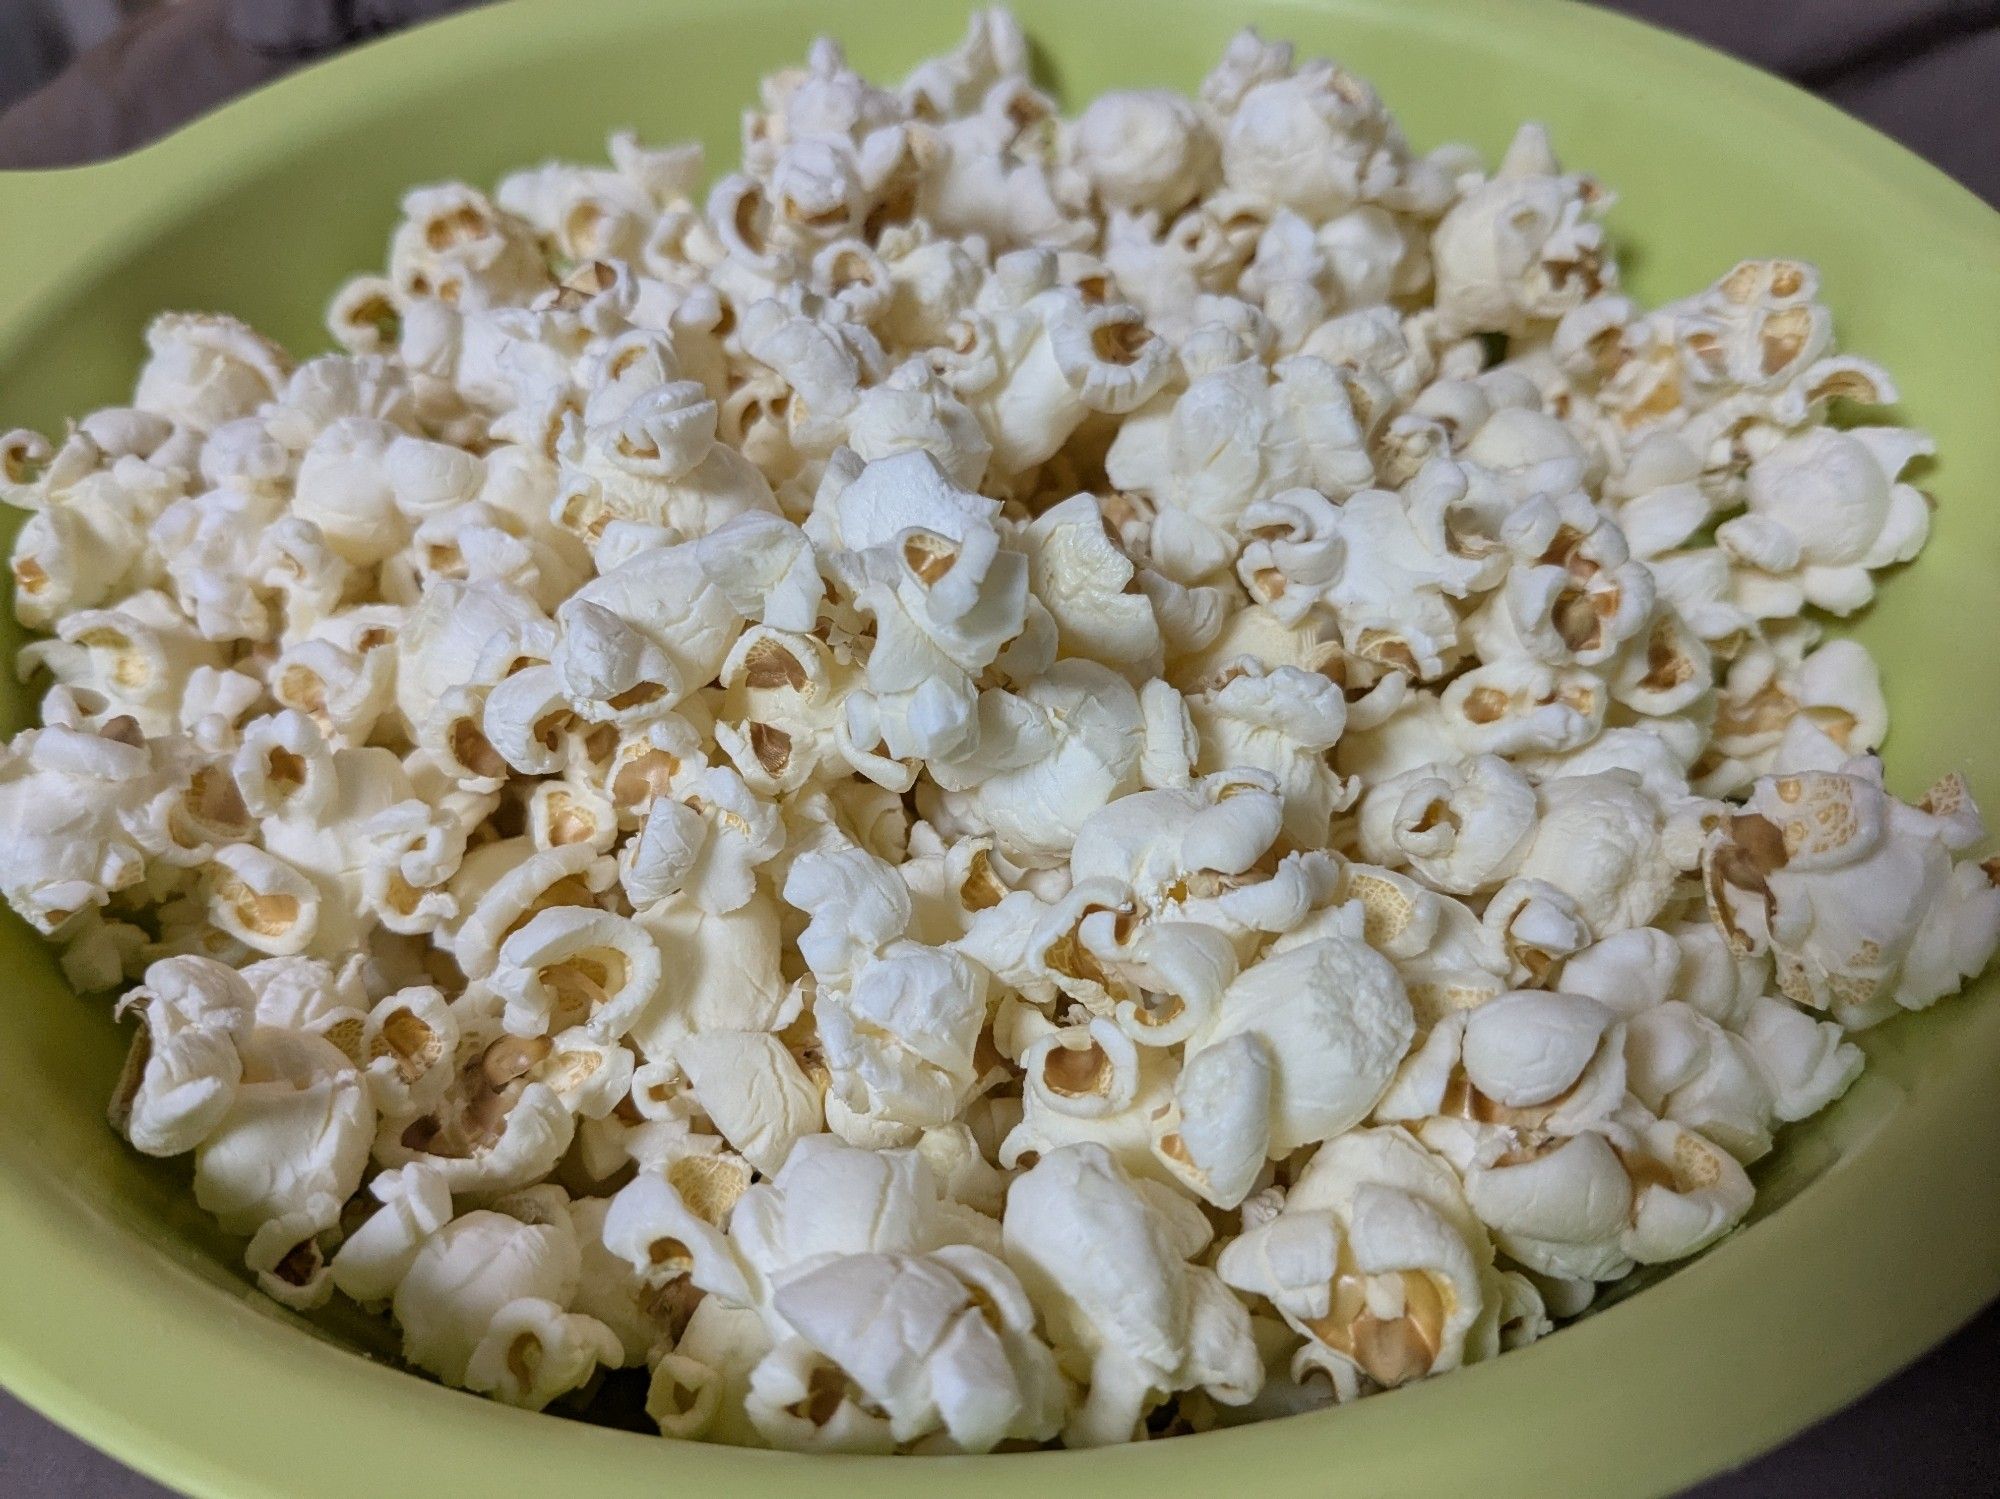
column 533, row 1351
column 74, row 806
column 185, row 1064
column 781, row 719
column 137, row 659
column 1106, row 1261
column 1529, row 1047
column 1086, row 582
column 1283, row 722
column 408, row 1044
column 649, row 454
column 293, row 1144
column 206, row 369
column 1091, row 1084
column 1385, row 565
column 940, row 1341
column 831, row 1199
column 1807, row 1064
column 499, row 886
column 374, row 1258
column 1222, row 1119
column 925, row 560
column 667, row 1229
column 262, row 901
column 1855, row 894
column 1143, row 149
column 1462, row 828
column 502, row 1128
column 1687, row 1069
column 1317, row 140
column 575, row 965
column 1688, row 1194
column 754, row 1090
column 1825, row 510
column 1376, row 1259
column 1563, row 1212
column 718, row 973
column 683, row 1396
column 900, row 1042
column 1523, row 247
column 1336, row 1020
column 466, row 1274
column 1602, row 841
column 1047, row 758
column 1234, row 436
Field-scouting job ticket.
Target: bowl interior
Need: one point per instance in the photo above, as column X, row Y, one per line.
column 263, row 210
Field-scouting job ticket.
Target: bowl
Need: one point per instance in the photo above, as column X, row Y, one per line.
column 1877, row 1230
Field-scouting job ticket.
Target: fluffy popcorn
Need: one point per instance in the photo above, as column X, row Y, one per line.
column 186, row 1061
column 1376, row 1258
column 1232, row 437
column 945, row 1340
column 1048, row 757
column 1005, row 780
column 293, row 1144
column 1788, row 875
column 468, row 1273
column 1522, row 248
column 1335, row 1018
column 1126, row 1310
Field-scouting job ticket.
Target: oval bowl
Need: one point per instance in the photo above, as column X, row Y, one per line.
column 1878, row 1227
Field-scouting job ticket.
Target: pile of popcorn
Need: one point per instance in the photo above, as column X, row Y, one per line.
column 1021, row 780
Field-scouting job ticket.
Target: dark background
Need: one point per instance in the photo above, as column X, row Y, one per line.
column 80, row 79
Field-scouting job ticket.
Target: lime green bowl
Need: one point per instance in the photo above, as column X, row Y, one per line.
column 126, row 1317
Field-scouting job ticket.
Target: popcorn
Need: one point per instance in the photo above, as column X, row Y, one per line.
column 472, row 1270
column 1788, row 875
column 534, row 1351
column 1022, row 780
column 1233, row 436
column 185, row 1064
column 924, row 560
column 207, row 369
column 293, row 1143
column 754, row 1090
column 1523, row 247
column 923, row 1339
column 1336, row 1019
column 1107, row 1261
column 74, row 804
column 572, row 965
column 1047, row 758
column 1316, row 141
column 1376, row 1259
column 373, row 1260
column 1603, row 841
column 1826, row 505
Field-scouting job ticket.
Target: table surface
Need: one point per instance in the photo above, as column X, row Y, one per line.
column 1922, row 70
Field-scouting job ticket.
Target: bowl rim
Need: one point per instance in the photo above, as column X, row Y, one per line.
column 1905, row 1234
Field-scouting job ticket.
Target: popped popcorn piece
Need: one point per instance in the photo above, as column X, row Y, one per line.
column 468, row 1273
column 1376, row 1260
column 940, row 1341
column 1857, row 895
column 1522, row 248
column 1108, row 1261
column 1335, row 1018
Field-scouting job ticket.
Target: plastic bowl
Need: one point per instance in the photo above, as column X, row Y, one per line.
column 126, row 1316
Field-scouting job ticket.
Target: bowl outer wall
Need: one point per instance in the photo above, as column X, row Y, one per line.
column 1882, row 1226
